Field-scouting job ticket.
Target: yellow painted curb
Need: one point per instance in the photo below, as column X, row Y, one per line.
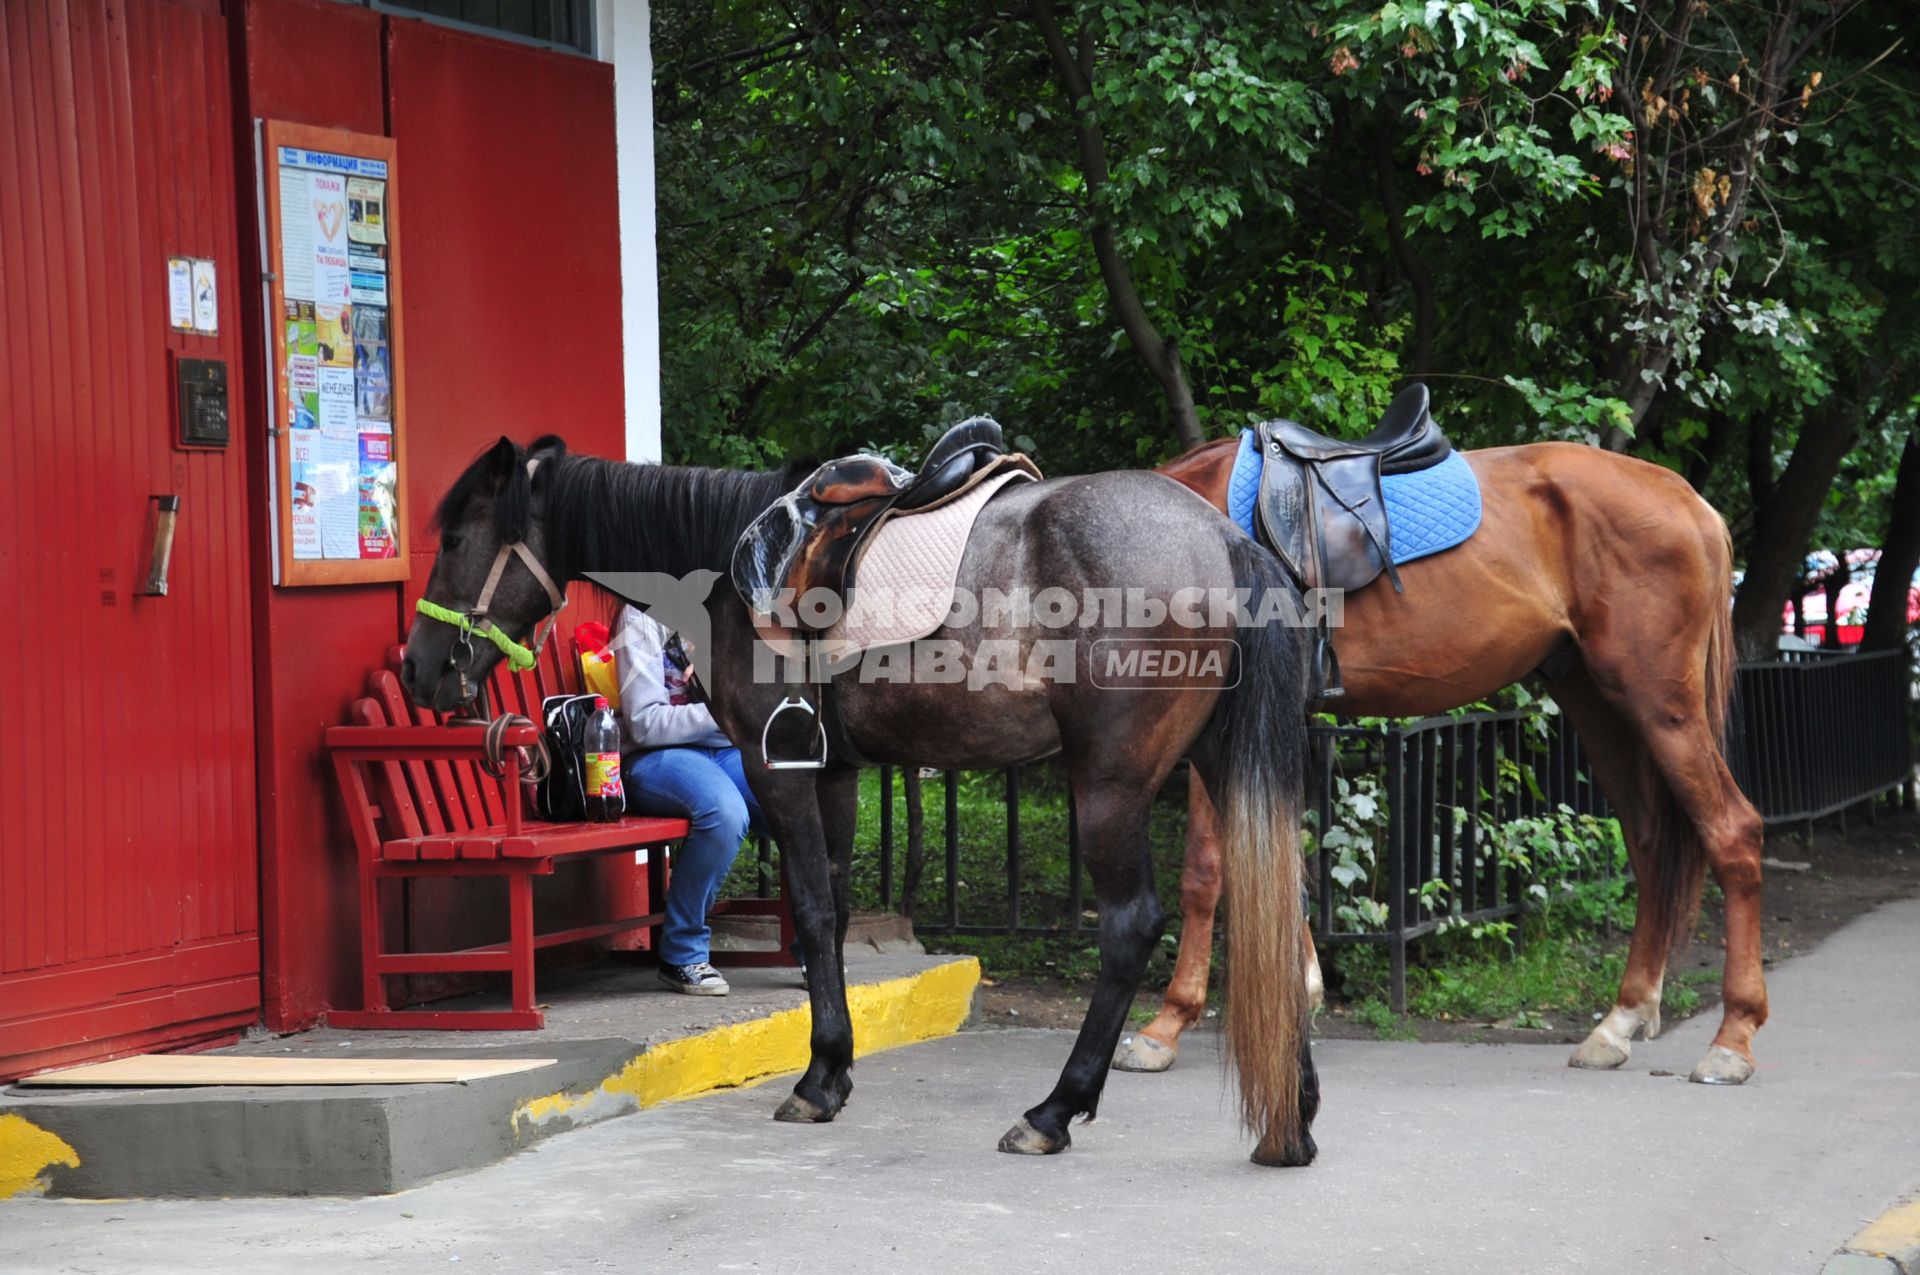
column 26, row 1152
column 1894, row 1235
column 900, row 1011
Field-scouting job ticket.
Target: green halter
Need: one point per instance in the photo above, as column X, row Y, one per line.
column 519, row 658
column 477, row 621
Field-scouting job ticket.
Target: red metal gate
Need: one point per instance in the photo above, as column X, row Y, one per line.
column 128, row 843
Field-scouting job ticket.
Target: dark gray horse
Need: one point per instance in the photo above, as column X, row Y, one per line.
column 1105, row 537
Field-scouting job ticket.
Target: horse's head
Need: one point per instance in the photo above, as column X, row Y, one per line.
column 494, row 580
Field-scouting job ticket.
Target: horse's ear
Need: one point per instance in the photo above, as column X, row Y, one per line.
column 513, row 491
column 543, row 454
column 502, row 460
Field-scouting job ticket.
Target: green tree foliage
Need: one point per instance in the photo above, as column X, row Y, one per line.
column 1683, row 227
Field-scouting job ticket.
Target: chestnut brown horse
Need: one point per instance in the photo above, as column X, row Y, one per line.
column 1617, row 570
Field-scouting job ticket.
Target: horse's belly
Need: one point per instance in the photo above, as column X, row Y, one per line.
column 1435, row 647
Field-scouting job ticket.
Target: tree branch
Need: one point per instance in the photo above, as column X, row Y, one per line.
column 1160, row 355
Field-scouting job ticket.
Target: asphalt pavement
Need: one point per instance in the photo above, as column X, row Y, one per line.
column 1434, row 1158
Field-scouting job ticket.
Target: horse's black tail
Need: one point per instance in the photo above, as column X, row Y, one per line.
column 1255, row 750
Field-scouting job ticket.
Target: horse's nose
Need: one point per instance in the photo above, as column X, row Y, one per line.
column 406, row 673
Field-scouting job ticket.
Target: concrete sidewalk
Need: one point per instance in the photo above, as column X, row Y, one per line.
column 1434, row 1158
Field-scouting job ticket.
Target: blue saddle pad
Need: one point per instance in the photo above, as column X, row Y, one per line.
column 1428, row 511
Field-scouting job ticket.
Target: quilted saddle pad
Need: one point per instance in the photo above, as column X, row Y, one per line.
column 905, row 576
column 1429, row 511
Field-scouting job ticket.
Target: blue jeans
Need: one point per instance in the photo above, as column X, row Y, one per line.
column 708, row 788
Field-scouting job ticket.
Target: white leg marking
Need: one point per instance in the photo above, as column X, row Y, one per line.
column 1611, row 1042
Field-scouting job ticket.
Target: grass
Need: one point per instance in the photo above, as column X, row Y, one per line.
column 1562, row 972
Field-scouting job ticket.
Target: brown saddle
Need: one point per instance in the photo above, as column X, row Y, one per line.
column 1321, row 507
column 810, row 538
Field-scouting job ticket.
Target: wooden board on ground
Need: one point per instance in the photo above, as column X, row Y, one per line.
column 158, row 1070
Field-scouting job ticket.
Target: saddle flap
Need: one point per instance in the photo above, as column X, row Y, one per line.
column 1326, row 519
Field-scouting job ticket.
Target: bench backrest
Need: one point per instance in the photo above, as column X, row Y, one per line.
column 445, row 798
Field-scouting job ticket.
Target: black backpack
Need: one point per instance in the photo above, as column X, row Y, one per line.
column 562, row 796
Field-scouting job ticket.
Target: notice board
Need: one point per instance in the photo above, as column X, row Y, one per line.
column 330, row 248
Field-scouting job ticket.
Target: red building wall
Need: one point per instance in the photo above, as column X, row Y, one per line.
column 173, row 861
column 507, row 212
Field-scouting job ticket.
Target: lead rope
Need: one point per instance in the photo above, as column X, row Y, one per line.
column 536, row 763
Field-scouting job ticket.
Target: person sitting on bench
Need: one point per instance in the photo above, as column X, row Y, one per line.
column 681, row 764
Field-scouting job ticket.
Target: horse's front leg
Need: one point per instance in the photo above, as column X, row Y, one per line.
column 838, row 794
column 791, row 804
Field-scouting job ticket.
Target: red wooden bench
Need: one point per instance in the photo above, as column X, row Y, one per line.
column 421, row 805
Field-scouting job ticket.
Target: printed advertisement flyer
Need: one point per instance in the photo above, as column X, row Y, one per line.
column 378, row 498
column 372, row 368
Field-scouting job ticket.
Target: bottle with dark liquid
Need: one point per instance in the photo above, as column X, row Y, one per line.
column 606, row 801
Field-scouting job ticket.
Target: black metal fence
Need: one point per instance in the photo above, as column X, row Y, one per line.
column 1450, row 788
column 1814, row 733
column 1810, row 736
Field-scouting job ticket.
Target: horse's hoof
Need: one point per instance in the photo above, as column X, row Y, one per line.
column 1140, row 1052
column 1598, row 1053
column 1291, row 1155
column 1722, row 1066
column 797, row 1110
column 1024, row 1139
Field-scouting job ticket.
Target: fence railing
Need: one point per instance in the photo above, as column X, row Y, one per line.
column 1448, row 785
column 1810, row 736
column 1814, row 733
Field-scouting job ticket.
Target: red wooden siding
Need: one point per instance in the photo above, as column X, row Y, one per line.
column 173, row 861
column 508, row 214
column 128, row 897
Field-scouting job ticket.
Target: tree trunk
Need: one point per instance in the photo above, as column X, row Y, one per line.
column 1899, row 555
column 1784, row 524
column 1161, row 355
column 1831, row 588
column 1412, row 264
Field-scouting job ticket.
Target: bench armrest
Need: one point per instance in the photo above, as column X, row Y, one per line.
column 423, row 743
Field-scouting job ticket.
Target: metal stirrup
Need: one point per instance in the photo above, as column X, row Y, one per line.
column 791, row 704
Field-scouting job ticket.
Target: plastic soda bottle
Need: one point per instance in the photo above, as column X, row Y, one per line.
column 606, row 801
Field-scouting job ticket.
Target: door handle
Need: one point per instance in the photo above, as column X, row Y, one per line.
column 166, row 509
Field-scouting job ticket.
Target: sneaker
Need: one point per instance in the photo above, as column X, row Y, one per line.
column 698, row 979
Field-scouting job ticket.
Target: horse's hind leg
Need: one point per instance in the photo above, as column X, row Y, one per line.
column 1613, row 753
column 1686, row 810
column 1112, row 817
column 1155, row 1046
column 1731, row 833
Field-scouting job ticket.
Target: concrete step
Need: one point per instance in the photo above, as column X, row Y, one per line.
column 621, row 1045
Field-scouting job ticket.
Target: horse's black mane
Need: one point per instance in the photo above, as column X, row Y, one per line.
column 604, row 515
